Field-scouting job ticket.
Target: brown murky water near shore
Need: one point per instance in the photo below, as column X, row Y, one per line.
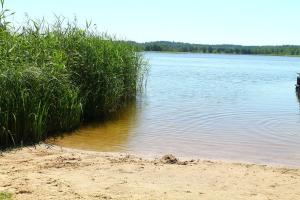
column 110, row 135
column 228, row 107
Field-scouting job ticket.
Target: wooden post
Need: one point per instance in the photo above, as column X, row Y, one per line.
column 298, row 83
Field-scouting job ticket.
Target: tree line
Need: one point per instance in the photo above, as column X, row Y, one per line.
column 285, row 50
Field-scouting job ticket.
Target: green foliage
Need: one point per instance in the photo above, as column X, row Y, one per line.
column 5, row 196
column 52, row 77
column 113, row 66
column 287, row 50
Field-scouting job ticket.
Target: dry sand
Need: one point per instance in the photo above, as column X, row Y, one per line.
column 55, row 173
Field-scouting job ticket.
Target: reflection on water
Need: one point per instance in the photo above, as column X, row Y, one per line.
column 110, row 135
column 298, row 96
column 207, row 106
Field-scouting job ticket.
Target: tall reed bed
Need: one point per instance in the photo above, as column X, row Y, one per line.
column 53, row 77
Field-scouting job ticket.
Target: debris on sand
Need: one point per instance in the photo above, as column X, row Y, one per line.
column 169, row 159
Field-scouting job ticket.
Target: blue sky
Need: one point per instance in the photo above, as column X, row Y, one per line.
column 252, row 22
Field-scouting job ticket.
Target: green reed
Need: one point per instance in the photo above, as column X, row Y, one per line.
column 52, row 77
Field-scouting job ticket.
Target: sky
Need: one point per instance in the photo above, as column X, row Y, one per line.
column 244, row 22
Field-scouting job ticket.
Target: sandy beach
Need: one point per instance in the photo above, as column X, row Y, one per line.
column 50, row 172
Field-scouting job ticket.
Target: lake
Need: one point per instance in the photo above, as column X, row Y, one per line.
column 228, row 107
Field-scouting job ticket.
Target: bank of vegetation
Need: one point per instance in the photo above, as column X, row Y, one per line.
column 53, row 77
column 286, row 50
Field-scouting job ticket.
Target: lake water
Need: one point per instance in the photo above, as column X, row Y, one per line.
column 229, row 107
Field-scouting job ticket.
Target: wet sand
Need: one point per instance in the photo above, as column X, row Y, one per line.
column 51, row 172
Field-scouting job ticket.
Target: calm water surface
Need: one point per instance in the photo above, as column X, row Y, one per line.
column 228, row 107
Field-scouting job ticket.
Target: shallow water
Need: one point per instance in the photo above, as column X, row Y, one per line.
column 229, row 107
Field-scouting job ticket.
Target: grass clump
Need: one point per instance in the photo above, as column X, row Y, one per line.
column 5, row 196
column 52, row 77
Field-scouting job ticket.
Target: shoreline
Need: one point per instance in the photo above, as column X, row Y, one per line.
column 52, row 172
column 152, row 156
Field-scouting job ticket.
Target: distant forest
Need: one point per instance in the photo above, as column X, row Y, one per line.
column 285, row 50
